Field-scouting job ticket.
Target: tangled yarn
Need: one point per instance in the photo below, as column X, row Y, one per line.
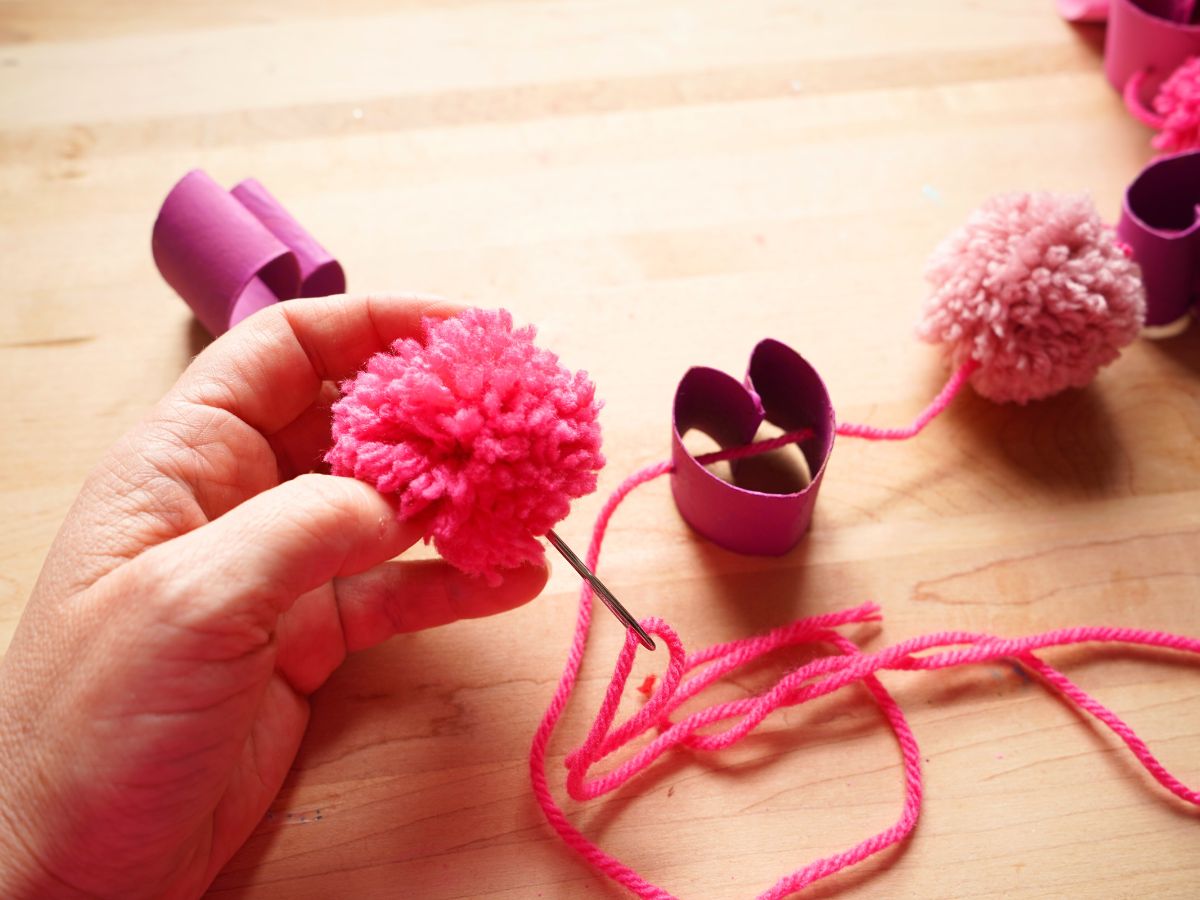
column 481, row 424
column 720, row 725
column 1036, row 291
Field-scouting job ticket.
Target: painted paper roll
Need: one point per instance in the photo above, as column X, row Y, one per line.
column 1159, row 222
column 781, row 388
column 229, row 254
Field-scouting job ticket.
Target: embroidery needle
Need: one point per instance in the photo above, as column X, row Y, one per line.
column 605, row 595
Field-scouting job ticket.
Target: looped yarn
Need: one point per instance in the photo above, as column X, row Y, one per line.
column 1175, row 111
column 824, row 675
column 482, row 425
column 1035, row 290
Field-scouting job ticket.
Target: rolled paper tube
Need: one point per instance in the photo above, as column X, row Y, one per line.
column 1159, row 223
column 1151, row 36
column 254, row 297
column 320, row 274
column 210, row 249
column 781, row 388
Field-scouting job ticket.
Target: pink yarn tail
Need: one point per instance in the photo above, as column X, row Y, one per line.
column 1132, row 95
column 932, row 411
column 572, row 836
column 1086, row 702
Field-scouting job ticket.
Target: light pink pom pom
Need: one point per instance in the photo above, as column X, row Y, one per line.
column 481, row 423
column 1035, row 289
column 1178, row 105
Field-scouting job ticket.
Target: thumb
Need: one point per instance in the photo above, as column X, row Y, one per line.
column 284, row 542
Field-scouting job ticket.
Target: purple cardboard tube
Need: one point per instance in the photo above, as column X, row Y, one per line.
column 210, row 249
column 229, row 254
column 1151, row 36
column 780, row 388
column 320, row 274
column 1159, row 223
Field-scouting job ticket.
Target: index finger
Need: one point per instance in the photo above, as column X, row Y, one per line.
column 270, row 368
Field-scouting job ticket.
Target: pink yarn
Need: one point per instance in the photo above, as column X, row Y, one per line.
column 1035, row 290
column 938, row 406
column 818, row 678
column 481, row 424
column 1176, row 113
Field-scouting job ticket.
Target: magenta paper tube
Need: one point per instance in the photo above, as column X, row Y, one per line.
column 780, row 388
column 229, row 254
column 1159, row 223
column 1151, row 36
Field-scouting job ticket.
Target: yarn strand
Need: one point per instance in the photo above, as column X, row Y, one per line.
column 688, row 674
column 1132, row 95
column 955, row 384
column 945, row 396
column 732, row 453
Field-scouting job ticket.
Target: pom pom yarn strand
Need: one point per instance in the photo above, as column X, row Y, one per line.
column 947, row 394
column 823, row 676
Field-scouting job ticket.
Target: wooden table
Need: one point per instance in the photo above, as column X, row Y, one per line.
column 656, row 185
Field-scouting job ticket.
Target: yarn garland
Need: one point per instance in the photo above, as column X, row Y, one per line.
column 495, row 437
column 492, row 438
column 478, row 423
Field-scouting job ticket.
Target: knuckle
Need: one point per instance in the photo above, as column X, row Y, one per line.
column 328, row 497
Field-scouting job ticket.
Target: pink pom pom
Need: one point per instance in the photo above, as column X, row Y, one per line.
column 480, row 422
column 1178, row 106
column 1035, row 289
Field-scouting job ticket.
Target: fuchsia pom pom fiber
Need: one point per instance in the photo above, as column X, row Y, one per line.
column 1035, row 290
column 480, row 422
column 1178, row 103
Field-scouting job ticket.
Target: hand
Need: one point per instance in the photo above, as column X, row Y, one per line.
column 202, row 586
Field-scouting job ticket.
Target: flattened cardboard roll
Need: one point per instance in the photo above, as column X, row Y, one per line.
column 320, row 274
column 781, row 388
column 228, row 255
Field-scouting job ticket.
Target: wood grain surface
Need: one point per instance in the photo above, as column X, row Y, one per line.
column 655, row 185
